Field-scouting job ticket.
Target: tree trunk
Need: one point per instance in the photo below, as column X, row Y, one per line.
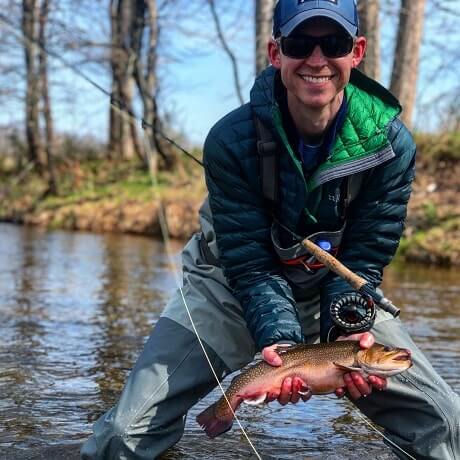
column 231, row 55
column 123, row 139
column 29, row 29
column 370, row 28
column 115, row 117
column 263, row 26
column 406, row 56
column 145, row 68
column 49, row 130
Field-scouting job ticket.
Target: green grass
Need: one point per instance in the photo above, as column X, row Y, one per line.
column 98, row 179
column 435, row 147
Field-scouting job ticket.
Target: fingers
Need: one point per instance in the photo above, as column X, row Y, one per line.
column 378, row 383
column 357, row 386
column 270, row 356
column 285, row 393
column 290, row 389
column 366, row 339
column 353, row 391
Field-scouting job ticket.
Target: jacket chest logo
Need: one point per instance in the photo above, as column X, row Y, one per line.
column 334, row 197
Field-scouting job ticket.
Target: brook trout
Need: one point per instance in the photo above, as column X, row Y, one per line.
column 321, row 366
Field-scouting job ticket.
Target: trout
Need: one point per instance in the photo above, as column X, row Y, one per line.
column 320, row 366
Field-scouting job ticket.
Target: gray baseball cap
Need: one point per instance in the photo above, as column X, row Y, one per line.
column 291, row 13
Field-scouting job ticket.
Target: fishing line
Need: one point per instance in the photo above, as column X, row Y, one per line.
column 121, row 108
column 165, row 232
column 382, row 434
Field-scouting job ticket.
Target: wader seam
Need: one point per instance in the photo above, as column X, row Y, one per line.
column 434, row 403
column 128, row 425
column 407, row 377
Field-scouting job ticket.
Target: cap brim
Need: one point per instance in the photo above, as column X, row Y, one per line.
column 298, row 19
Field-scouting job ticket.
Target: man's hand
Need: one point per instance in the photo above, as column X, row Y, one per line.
column 292, row 389
column 356, row 384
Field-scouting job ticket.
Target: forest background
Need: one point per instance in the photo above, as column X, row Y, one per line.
column 97, row 96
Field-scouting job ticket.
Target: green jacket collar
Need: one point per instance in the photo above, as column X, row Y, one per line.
column 361, row 144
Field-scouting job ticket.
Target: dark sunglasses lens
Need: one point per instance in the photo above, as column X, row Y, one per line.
column 334, row 46
column 297, row 47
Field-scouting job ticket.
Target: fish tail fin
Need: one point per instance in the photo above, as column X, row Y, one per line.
column 212, row 424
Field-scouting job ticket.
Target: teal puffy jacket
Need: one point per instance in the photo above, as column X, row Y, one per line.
column 371, row 139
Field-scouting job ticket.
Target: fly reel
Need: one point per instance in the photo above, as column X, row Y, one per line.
column 353, row 312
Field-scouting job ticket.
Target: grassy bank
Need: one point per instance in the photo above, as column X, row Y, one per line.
column 102, row 195
column 432, row 233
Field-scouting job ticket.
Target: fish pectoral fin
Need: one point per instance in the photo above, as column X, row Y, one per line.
column 306, row 392
column 348, row 368
column 255, row 400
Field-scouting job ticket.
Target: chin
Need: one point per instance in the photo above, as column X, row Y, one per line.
column 317, row 103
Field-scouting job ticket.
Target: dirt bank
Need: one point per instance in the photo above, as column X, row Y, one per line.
column 104, row 197
column 432, row 233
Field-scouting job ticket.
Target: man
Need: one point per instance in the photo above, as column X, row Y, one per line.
column 343, row 170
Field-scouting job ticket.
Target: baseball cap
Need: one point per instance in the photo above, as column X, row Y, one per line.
column 291, row 13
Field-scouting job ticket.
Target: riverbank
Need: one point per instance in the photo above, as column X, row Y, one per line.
column 104, row 196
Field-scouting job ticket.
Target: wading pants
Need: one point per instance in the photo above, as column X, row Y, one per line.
column 418, row 410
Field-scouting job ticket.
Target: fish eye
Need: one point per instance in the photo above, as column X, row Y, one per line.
column 386, row 348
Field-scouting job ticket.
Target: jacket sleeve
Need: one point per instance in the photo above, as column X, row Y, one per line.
column 242, row 226
column 375, row 223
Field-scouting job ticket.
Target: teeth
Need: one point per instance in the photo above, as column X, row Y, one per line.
column 316, row 79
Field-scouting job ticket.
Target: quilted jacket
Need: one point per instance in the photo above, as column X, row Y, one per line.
column 371, row 139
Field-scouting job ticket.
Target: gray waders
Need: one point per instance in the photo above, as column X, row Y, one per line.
column 418, row 409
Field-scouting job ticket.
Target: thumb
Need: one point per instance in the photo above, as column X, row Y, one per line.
column 270, row 356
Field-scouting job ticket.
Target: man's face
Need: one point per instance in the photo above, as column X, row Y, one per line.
column 316, row 80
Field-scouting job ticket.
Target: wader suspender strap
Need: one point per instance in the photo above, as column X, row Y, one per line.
column 267, row 148
column 354, row 184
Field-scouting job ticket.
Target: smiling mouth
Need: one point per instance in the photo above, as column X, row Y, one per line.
column 313, row 79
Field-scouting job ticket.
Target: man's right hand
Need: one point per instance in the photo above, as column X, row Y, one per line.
column 292, row 389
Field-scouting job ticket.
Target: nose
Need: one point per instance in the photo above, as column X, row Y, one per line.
column 317, row 57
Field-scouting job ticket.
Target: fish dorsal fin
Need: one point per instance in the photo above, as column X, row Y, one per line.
column 348, row 368
column 256, row 399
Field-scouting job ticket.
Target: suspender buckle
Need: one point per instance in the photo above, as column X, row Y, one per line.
column 266, row 148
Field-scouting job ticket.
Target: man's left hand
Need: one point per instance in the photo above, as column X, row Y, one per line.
column 356, row 384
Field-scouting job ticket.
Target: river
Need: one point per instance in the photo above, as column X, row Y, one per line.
column 76, row 309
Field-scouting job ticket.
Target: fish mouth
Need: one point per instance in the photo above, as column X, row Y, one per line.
column 403, row 355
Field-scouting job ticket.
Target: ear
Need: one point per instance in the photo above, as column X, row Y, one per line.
column 358, row 50
column 274, row 54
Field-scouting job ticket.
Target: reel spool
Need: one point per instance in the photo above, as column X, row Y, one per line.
column 353, row 312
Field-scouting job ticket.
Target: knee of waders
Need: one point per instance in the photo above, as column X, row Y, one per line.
column 436, row 430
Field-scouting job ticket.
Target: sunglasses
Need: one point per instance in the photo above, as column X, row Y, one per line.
column 302, row 46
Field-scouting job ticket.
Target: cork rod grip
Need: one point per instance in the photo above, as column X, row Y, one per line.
column 333, row 264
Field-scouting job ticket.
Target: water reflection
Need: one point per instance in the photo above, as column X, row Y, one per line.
column 430, row 305
column 76, row 309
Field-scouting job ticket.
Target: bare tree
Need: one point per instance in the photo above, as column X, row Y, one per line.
column 263, row 26
column 370, row 27
column 47, row 116
column 145, row 25
column 406, row 57
column 30, row 14
column 123, row 138
column 227, row 49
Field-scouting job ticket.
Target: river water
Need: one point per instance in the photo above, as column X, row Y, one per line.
column 76, row 308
